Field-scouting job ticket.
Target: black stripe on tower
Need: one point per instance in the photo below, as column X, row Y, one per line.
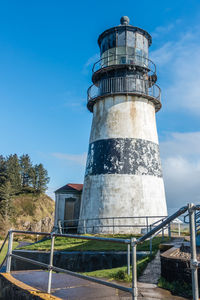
column 124, row 156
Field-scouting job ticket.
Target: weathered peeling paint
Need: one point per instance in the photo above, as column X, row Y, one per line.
column 123, row 156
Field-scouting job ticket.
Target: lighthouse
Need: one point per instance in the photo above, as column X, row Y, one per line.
column 123, row 177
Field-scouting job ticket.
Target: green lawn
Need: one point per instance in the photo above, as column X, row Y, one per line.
column 120, row 274
column 5, row 248
column 72, row 244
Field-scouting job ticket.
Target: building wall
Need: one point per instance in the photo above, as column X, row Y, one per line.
column 123, row 173
column 60, row 205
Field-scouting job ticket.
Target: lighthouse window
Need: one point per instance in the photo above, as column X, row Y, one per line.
column 139, row 41
column 121, row 39
column 138, row 56
column 104, row 44
column 112, row 56
column 131, row 51
column 146, row 44
column 130, row 39
column 104, row 61
column 112, row 40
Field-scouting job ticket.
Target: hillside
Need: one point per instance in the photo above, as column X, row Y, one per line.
column 30, row 211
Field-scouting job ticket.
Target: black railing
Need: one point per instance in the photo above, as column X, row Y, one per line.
column 121, row 85
column 125, row 59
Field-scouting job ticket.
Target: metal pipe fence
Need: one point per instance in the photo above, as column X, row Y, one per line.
column 91, row 225
column 131, row 247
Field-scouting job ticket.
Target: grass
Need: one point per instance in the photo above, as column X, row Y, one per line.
column 72, row 244
column 180, row 288
column 120, row 273
column 5, row 248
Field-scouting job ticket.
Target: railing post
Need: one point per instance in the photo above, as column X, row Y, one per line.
column 128, row 259
column 59, row 226
column 134, row 269
column 151, row 245
column 10, row 246
column 169, row 230
column 193, row 263
column 113, row 226
column 51, row 264
column 163, row 234
column 179, row 229
column 84, row 226
column 147, row 224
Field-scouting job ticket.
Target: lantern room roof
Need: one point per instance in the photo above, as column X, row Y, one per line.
column 124, row 26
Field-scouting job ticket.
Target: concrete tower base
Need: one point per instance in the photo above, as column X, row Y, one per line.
column 123, row 174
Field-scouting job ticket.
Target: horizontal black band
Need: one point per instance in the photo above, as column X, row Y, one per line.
column 124, row 156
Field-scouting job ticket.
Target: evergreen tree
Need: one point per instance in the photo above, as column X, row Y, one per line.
column 3, row 171
column 6, row 192
column 26, row 169
column 13, row 172
column 43, row 178
column 39, row 178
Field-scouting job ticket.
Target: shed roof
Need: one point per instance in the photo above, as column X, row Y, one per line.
column 70, row 187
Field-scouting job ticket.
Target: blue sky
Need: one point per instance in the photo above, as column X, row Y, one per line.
column 47, row 49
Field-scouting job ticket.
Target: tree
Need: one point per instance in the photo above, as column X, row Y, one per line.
column 25, row 170
column 13, row 172
column 39, row 176
column 6, row 192
column 3, row 171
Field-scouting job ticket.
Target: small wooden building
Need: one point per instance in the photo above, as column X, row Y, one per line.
column 67, row 206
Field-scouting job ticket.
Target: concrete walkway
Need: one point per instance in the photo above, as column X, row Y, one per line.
column 71, row 288
column 152, row 272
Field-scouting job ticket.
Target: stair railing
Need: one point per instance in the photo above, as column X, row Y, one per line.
column 194, row 264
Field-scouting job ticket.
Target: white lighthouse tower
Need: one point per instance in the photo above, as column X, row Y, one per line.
column 123, row 175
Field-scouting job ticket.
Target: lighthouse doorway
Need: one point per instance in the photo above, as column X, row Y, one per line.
column 69, row 210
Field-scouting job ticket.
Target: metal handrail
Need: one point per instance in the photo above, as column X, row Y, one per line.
column 124, row 59
column 133, row 242
column 113, row 222
column 1, row 265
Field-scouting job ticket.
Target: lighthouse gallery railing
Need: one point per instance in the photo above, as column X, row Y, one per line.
column 130, row 85
column 124, row 59
column 133, row 242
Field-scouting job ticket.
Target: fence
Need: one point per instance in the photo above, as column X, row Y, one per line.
column 110, row 224
column 132, row 246
column 125, row 59
column 130, row 85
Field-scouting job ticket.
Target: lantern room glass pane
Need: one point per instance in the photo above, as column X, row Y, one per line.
column 104, row 44
column 112, row 56
column 112, row 40
column 130, row 39
column 139, row 41
column 121, row 39
column 121, row 55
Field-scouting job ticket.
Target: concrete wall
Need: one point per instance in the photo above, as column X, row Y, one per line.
column 13, row 289
column 77, row 261
column 123, row 173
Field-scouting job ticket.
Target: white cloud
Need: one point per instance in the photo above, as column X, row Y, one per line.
column 178, row 61
column 79, row 159
column 181, row 168
column 90, row 62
